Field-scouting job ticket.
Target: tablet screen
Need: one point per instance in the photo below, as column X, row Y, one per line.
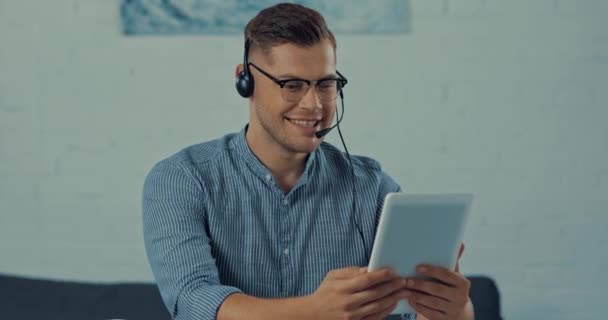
column 417, row 229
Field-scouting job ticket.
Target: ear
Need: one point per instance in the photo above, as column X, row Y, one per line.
column 238, row 70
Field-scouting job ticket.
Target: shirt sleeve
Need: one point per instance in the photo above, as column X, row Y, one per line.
column 387, row 185
column 177, row 245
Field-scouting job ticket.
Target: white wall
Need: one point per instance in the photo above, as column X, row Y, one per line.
column 504, row 98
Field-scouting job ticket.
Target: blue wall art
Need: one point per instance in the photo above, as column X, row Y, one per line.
column 225, row 17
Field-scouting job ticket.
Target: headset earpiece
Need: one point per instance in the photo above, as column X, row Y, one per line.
column 244, row 82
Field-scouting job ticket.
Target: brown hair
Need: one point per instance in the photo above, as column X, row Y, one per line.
column 287, row 23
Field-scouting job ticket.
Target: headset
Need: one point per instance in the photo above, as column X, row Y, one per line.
column 244, row 86
column 244, row 82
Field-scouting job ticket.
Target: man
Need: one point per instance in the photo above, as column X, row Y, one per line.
column 270, row 222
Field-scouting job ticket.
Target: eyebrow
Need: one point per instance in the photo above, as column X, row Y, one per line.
column 289, row 76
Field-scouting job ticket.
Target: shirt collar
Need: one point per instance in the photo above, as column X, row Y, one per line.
column 242, row 148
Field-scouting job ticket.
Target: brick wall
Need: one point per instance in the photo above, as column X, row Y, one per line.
column 504, row 98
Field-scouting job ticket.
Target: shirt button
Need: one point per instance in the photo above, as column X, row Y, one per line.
column 286, row 251
column 285, row 202
column 268, row 177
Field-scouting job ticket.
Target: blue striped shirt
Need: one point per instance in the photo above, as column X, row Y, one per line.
column 216, row 222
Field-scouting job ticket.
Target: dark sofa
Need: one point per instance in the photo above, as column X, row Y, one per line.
column 39, row 299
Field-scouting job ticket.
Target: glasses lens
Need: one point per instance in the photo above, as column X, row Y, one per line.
column 327, row 90
column 294, row 90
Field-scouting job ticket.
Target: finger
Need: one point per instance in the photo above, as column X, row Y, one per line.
column 432, row 302
column 368, row 280
column 345, row 273
column 460, row 252
column 427, row 312
column 444, row 275
column 378, row 305
column 379, row 291
column 439, row 290
column 382, row 314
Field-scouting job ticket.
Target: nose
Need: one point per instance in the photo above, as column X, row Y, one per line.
column 311, row 100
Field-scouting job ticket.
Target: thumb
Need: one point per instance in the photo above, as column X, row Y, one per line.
column 460, row 252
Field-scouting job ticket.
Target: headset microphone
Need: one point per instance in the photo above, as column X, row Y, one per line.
column 323, row 132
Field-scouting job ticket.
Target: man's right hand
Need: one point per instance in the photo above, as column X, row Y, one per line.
column 354, row 293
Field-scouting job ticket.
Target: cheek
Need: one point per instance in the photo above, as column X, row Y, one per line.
column 281, row 108
column 269, row 107
column 329, row 112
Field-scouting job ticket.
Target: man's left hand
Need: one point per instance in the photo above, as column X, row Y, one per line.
column 445, row 300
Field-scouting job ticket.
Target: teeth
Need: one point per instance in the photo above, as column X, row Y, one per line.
column 303, row 123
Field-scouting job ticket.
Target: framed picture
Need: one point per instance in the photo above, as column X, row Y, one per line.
column 174, row 17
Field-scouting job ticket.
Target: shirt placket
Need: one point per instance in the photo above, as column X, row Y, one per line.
column 285, row 246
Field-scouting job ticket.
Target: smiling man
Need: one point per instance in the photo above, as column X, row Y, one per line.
column 272, row 222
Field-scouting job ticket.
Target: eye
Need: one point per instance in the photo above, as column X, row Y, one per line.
column 327, row 85
column 294, row 85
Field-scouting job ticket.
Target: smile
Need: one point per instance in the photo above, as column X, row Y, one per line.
column 304, row 123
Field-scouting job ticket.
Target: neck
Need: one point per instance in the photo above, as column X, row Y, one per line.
column 285, row 165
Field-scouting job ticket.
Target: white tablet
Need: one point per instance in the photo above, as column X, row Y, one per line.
column 419, row 228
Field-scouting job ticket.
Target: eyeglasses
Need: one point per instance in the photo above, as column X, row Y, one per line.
column 293, row 90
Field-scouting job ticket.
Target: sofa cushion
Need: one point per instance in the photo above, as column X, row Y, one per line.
column 485, row 297
column 23, row 298
column 34, row 299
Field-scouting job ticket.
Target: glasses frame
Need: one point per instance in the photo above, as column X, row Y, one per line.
column 341, row 81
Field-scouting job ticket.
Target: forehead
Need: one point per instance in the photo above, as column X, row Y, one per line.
column 307, row 62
